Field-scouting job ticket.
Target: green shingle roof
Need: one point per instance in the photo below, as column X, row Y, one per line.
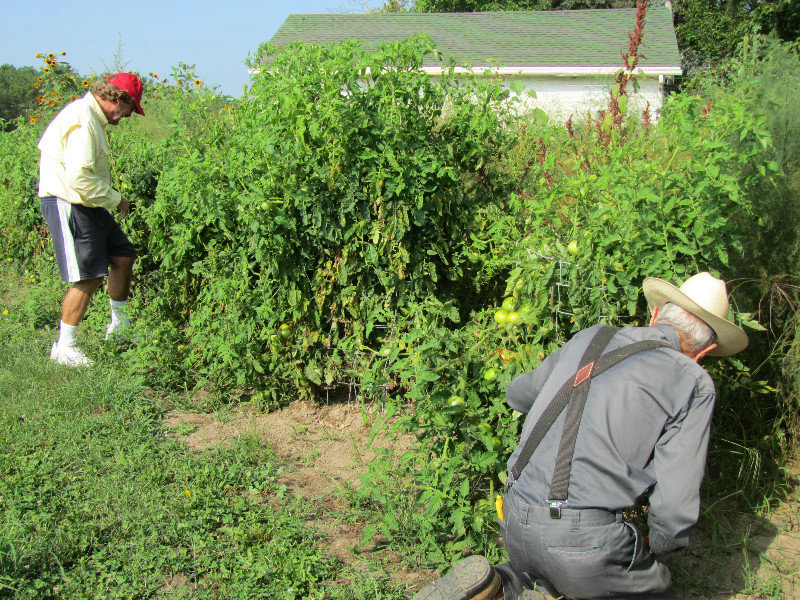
column 558, row 38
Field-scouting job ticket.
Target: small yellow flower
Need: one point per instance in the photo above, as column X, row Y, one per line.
column 198, row 82
column 5, row 312
column 154, row 75
column 40, row 99
column 63, row 53
column 33, row 120
column 187, row 493
column 85, row 83
column 46, row 70
column 36, row 85
column 39, row 79
column 50, row 55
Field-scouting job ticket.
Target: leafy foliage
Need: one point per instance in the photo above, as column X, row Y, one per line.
column 17, row 94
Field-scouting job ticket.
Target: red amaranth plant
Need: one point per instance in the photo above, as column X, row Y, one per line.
column 618, row 102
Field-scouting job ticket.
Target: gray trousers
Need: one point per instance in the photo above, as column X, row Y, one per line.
column 587, row 553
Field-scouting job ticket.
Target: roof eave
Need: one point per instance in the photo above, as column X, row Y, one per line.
column 557, row 71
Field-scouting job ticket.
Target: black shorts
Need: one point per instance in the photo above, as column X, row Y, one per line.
column 83, row 238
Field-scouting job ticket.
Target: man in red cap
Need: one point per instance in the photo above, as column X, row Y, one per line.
column 75, row 198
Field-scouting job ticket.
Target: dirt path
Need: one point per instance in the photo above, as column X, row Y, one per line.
column 326, row 449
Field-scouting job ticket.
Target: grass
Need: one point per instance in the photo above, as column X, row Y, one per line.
column 97, row 502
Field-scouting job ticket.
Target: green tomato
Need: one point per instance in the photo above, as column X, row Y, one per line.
column 285, row 331
column 485, row 428
column 455, row 401
column 518, row 285
column 514, row 318
column 509, row 304
column 501, row 317
column 572, row 247
column 490, row 374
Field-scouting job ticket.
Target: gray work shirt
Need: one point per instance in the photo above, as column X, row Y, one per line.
column 645, row 427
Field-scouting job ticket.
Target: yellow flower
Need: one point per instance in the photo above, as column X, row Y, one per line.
column 188, row 493
column 38, row 55
column 198, row 82
column 63, row 53
column 85, row 83
column 50, row 55
column 40, row 99
column 36, row 85
column 46, row 70
column 33, row 120
column 5, row 312
column 39, row 79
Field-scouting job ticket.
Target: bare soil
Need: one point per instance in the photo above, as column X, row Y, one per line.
column 327, row 448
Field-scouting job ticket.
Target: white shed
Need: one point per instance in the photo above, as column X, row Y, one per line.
column 568, row 57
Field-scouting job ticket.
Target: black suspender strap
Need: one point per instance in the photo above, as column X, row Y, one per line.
column 573, row 395
column 559, row 402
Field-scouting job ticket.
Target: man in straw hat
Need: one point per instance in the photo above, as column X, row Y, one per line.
column 75, row 198
column 612, row 415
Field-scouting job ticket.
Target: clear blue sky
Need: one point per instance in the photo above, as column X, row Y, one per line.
column 155, row 35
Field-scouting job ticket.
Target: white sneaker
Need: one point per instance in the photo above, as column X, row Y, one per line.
column 70, row 356
column 121, row 332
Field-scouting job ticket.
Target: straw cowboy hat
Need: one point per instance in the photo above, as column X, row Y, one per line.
column 706, row 297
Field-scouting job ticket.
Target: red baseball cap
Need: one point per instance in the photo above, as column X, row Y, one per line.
column 130, row 84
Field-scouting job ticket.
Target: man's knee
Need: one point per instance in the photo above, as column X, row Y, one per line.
column 123, row 263
column 87, row 286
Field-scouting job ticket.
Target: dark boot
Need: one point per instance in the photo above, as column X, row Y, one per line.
column 471, row 579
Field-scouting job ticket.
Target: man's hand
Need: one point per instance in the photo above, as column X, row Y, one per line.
column 124, row 208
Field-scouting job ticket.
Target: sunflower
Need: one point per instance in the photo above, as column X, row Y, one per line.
column 85, row 83
column 198, row 82
column 40, row 99
column 38, row 55
column 36, row 85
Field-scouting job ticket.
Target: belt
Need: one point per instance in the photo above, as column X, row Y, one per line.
column 586, row 516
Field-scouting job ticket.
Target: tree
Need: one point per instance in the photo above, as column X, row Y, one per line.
column 779, row 16
column 17, row 92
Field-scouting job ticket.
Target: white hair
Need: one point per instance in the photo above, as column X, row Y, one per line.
column 696, row 333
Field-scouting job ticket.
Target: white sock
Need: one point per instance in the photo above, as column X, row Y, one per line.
column 118, row 313
column 66, row 336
